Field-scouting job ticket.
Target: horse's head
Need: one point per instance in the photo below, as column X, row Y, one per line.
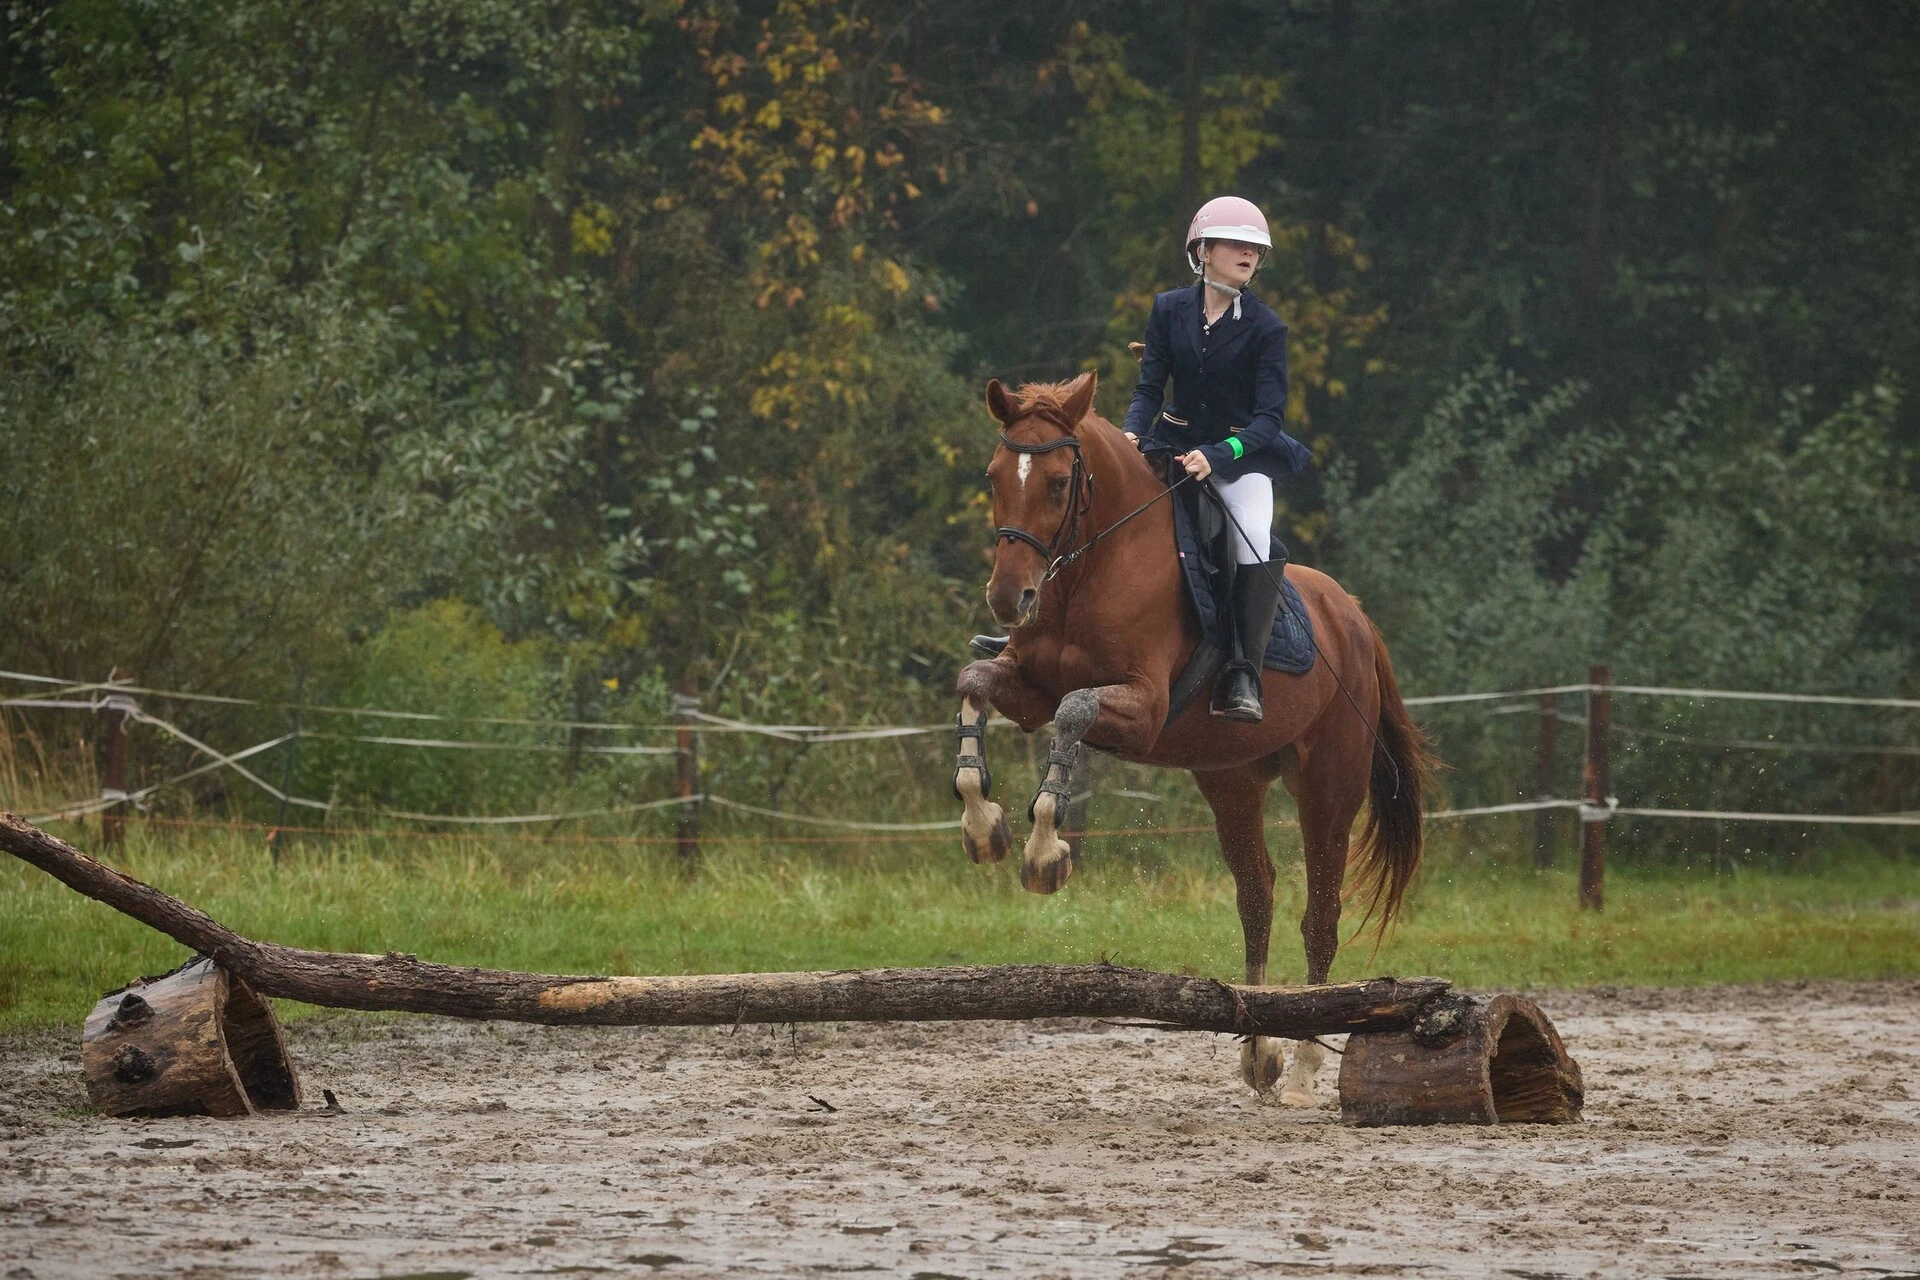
column 1040, row 488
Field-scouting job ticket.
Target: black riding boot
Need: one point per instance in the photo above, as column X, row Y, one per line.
column 1256, row 593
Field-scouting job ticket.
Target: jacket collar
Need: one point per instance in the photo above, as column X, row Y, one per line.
column 1228, row 333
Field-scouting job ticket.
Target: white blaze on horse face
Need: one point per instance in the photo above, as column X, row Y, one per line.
column 1026, row 467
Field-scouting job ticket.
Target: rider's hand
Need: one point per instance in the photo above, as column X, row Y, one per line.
column 1131, row 438
column 1196, row 464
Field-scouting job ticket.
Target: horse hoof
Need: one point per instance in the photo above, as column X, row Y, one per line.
column 988, row 840
column 1260, row 1065
column 1298, row 1098
column 1046, row 874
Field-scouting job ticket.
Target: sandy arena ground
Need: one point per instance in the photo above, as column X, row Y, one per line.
column 1762, row 1131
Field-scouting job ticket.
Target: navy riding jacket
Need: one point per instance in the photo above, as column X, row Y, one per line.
column 1229, row 381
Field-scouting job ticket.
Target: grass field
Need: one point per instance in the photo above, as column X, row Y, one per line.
column 609, row 908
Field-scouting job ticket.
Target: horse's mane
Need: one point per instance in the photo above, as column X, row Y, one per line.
column 1048, row 399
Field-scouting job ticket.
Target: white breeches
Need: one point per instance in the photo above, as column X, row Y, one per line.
column 1250, row 498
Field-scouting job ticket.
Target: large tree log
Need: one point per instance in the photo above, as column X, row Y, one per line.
column 192, row 1042
column 401, row 982
column 1466, row 1060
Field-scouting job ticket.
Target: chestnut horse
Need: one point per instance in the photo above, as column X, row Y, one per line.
column 1095, row 648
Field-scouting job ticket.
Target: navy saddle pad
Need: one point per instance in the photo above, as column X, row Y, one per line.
column 1290, row 650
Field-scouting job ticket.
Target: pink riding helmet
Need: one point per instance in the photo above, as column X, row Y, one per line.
column 1227, row 218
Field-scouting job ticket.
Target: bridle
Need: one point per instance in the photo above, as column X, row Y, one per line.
column 1079, row 479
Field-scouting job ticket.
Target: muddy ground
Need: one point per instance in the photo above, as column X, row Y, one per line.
column 1760, row 1131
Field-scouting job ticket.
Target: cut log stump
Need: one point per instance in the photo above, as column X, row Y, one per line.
column 1466, row 1060
column 196, row 1041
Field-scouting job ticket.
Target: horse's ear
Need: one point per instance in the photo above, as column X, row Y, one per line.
column 999, row 403
column 1079, row 398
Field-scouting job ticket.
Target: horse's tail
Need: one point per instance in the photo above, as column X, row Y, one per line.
column 1402, row 770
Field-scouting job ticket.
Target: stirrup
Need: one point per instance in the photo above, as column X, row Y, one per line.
column 1240, row 703
column 988, row 647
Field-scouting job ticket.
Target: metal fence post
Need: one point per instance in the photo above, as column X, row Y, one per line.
column 1593, row 818
column 118, row 712
column 275, row 836
column 687, row 770
column 1543, row 819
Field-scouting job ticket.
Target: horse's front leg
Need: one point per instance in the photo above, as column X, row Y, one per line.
column 1123, row 717
column 983, row 824
column 982, row 686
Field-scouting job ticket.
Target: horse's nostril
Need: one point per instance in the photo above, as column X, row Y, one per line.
column 1027, row 598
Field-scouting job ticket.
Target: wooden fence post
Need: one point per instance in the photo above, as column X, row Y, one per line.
column 1593, row 822
column 1543, row 819
column 687, row 770
column 116, row 710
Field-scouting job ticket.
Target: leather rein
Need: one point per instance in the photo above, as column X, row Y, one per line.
column 1080, row 480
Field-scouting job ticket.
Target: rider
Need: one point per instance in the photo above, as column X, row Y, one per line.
column 1227, row 353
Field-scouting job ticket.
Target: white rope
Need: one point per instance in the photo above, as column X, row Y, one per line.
column 133, row 711
column 1728, row 815
column 81, row 808
column 1443, row 699
column 1522, row 806
column 725, row 803
column 455, row 744
column 522, row 818
column 1819, row 699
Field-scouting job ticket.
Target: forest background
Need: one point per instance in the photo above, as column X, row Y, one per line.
column 545, row 359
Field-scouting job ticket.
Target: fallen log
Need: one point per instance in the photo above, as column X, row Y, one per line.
column 194, row 1042
column 405, row 984
column 1465, row 1060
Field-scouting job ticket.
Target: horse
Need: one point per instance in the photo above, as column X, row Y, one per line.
column 1096, row 643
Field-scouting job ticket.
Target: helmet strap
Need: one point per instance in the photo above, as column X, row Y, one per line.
column 1227, row 289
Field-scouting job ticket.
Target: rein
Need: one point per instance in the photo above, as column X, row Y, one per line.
column 1070, row 520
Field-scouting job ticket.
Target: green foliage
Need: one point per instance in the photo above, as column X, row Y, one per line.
column 652, row 330
column 1712, row 545
column 193, row 507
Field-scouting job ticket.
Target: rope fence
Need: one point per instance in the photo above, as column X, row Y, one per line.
column 116, row 698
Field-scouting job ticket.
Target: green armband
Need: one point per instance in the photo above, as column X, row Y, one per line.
column 1239, row 450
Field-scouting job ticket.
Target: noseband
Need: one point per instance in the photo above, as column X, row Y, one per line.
column 1080, row 479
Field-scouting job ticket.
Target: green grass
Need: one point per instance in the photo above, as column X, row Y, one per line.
column 612, row 909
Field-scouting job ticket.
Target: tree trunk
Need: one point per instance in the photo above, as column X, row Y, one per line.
column 403, row 983
column 192, row 1042
column 1467, row 1060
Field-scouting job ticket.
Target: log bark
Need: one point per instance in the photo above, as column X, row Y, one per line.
column 1466, row 1060
column 192, row 1042
column 406, row 984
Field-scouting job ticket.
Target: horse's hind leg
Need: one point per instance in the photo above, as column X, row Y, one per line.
column 1329, row 793
column 1238, row 799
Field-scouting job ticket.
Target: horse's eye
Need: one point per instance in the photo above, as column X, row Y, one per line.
column 1057, row 486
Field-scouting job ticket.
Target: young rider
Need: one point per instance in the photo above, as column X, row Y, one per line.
column 1227, row 354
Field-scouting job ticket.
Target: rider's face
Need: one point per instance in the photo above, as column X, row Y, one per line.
column 1231, row 262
